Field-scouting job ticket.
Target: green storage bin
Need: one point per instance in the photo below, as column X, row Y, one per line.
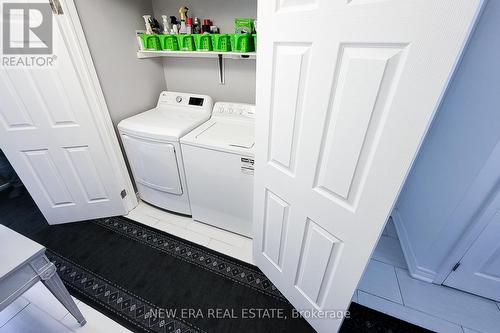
column 244, row 25
column 221, row 42
column 242, row 43
column 203, row 42
column 186, row 42
column 169, row 43
column 151, row 42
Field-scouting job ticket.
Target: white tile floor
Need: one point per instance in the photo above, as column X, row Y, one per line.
column 37, row 311
column 386, row 287
column 214, row 238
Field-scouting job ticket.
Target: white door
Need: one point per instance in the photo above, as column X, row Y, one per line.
column 64, row 155
column 345, row 92
column 479, row 270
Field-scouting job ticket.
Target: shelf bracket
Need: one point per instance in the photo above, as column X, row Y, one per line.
column 222, row 70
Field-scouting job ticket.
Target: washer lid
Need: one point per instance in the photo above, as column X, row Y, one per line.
column 163, row 123
column 231, row 134
column 224, row 134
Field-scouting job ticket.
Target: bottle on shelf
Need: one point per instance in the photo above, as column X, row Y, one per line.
column 189, row 25
column 182, row 12
column 147, row 21
column 205, row 28
column 166, row 26
column 175, row 26
column 196, row 26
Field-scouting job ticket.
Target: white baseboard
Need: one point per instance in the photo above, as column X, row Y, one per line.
column 416, row 271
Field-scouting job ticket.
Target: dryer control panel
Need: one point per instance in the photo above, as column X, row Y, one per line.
column 202, row 103
column 233, row 110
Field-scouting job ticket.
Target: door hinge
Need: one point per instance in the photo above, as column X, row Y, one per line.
column 56, row 7
column 123, row 193
column 456, row 266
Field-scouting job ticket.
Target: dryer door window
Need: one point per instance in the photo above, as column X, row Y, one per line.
column 154, row 164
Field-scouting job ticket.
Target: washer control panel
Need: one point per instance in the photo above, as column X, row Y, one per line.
column 233, row 110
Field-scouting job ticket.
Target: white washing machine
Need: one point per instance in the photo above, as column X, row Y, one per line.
column 219, row 163
column 151, row 141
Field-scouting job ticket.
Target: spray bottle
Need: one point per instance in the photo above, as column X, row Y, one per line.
column 166, row 26
column 147, row 21
column 182, row 12
column 175, row 27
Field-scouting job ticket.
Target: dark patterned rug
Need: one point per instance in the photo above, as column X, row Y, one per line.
column 150, row 281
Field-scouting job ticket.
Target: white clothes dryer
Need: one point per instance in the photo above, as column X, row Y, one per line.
column 151, row 141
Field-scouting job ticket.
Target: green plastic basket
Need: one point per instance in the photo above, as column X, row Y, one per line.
column 242, row 43
column 151, row 42
column 221, row 42
column 170, row 43
column 186, row 42
column 203, row 42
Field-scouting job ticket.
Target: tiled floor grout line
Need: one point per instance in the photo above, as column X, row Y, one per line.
column 16, row 314
column 228, row 244
column 399, row 285
column 390, row 264
column 413, row 309
column 157, row 219
column 210, row 239
column 49, row 313
column 190, row 230
column 381, row 297
column 409, row 307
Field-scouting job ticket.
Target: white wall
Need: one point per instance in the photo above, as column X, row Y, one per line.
column 459, row 142
column 130, row 85
column 201, row 75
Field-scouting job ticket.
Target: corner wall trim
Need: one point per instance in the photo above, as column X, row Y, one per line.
column 415, row 270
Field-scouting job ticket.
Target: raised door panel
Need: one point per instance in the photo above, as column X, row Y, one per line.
column 56, row 100
column 85, row 171
column 43, row 168
column 275, row 226
column 13, row 112
column 320, row 251
column 361, row 94
column 291, row 62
